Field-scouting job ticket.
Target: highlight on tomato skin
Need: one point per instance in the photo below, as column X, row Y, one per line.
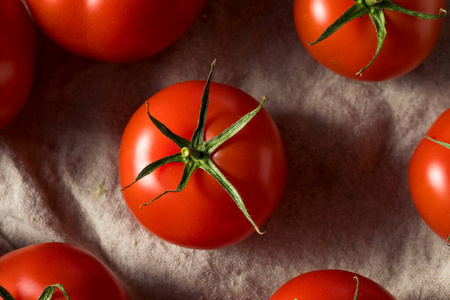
column 404, row 44
column 26, row 272
column 17, row 60
column 429, row 176
column 202, row 213
column 331, row 284
column 116, row 31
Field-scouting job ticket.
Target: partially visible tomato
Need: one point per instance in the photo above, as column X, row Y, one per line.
column 17, row 58
column 203, row 215
column 115, row 30
column 26, row 272
column 331, row 285
column 409, row 40
column 429, row 177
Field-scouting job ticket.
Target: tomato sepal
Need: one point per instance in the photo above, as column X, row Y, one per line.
column 355, row 11
column 373, row 8
column 5, row 294
column 196, row 153
column 178, row 140
column 388, row 4
column 155, row 165
column 357, row 287
column 444, row 144
column 47, row 294
column 379, row 21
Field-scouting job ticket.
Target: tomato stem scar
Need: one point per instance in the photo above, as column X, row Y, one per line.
column 372, row 2
column 190, row 152
column 375, row 10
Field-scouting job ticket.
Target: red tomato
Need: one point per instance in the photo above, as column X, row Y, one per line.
column 409, row 40
column 331, row 285
column 429, row 177
column 203, row 215
column 17, row 58
column 115, row 30
column 26, row 272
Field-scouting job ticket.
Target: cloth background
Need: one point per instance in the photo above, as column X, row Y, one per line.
column 346, row 204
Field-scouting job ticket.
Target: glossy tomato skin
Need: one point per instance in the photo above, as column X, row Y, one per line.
column 429, row 177
column 27, row 271
column 330, row 285
column 409, row 40
column 17, row 58
column 203, row 216
column 115, row 31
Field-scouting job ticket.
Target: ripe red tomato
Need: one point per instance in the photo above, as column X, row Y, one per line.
column 203, row 215
column 118, row 30
column 26, row 272
column 409, row 40
column 331, row 285
column 429, row 177
column 17, row 58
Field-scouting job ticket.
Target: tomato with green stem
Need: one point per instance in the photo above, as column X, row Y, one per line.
column 57, row 271
column 429, row 176
column 118, row 30
column 331, row 285
column 209, row 181
column 370, row 40
column 17, row 58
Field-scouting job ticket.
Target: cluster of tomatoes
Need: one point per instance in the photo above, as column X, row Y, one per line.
column 220, row 177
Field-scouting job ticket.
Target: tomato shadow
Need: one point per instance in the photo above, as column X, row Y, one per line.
column 338, row 169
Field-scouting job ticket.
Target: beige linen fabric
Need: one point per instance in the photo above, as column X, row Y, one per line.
column 346, row 204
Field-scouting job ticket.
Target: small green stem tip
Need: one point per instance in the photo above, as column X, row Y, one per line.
column 443, row 144
column 190, row 152
column 185, row 152
column 357, row 287
column 372, row 2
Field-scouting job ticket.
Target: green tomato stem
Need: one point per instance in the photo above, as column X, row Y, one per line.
column 47, row 294
column 357, row 287
column 446, row 145
column 5, row 294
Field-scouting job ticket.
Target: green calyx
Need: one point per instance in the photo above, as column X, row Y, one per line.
column 47, row 294
column 196, row 153
column 357, row 287
column 443, row 144
column 373, row 8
